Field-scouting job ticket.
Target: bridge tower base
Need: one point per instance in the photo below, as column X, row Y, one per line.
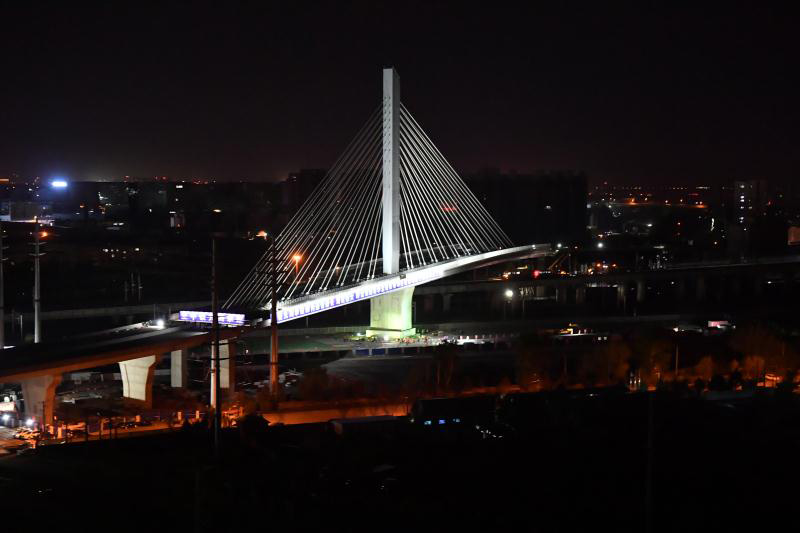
column 390, row 314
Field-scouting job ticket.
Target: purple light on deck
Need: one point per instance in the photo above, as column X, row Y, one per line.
column 206, row 317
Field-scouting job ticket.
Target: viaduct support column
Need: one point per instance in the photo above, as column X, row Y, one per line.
column 227, row 364
column 447, row 300
column 541, row 291
column 640, row 291
column 622, row 295
column 721, row 286
column 735, row 286
column 758, row 286
column 40, row 397
column 580, row 294
column 561, row 294
column 680, row 289
column 178, row 368
column 137, row 378
column 390, row 314
column 497, row 302
column 700, row 289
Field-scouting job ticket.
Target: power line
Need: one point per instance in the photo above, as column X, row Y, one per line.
column 335, row 238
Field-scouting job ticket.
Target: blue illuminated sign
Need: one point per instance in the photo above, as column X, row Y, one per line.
column 206, row 317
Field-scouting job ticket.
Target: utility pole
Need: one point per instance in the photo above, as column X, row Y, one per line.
column 273, row 286
column 648, row 490
column 677, row 354
column 273, row 353
column 215, row 366
column 2, row 295
column 37, row 319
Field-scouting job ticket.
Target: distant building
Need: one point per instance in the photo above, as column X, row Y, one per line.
column 114, row 199
column 750, row 200
column 535, row 208
column 757, row 219
column 297, row 188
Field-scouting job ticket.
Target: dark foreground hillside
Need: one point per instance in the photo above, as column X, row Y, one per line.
column 561, row 464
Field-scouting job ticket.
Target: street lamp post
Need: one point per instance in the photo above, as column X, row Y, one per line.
column 296, row 258
column 2, row 296
column 37, row 319
column 215, row 361
column 273, row 354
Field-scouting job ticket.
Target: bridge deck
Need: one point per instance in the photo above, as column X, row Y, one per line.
column 68, row 355
column 325, row 300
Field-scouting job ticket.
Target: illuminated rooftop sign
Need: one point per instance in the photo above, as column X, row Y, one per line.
column 206, row 317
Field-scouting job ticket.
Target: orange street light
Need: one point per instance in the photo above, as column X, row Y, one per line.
column 297, row 258
column 262, row 234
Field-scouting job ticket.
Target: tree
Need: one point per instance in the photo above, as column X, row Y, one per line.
column 445, row 358
column 758, row 343
column 417, row 382
column 736, row 379
column 704, row 369
column 315, row 384
column 614, row 360
column 752, row 367
column 536, row 364
column 652, row 354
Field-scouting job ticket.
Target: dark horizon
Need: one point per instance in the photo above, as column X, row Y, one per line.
column 651, row 96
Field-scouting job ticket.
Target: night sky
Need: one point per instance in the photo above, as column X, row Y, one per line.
column 653, row 95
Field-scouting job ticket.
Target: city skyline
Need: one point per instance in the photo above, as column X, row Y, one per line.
column 655, row 96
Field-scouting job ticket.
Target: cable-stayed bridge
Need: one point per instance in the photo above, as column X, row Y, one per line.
column 391, row 214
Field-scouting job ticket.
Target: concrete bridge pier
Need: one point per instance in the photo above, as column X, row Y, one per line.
column 641, row 291
column 447, row 300
column 178, row 370
column 580, row 294
column 540, row 291
column 561, row 294
column 40, row 397
column 680, row 289
column 427, row 303
column 137, row 378
column 721, row 284
column 700, row 289
column 390, row 314
column 622, row 295
column 758, row 286
column 227, row 364
column 497, row 302
column 735, row 283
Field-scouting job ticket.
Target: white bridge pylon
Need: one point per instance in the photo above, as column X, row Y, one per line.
column 391, row 214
